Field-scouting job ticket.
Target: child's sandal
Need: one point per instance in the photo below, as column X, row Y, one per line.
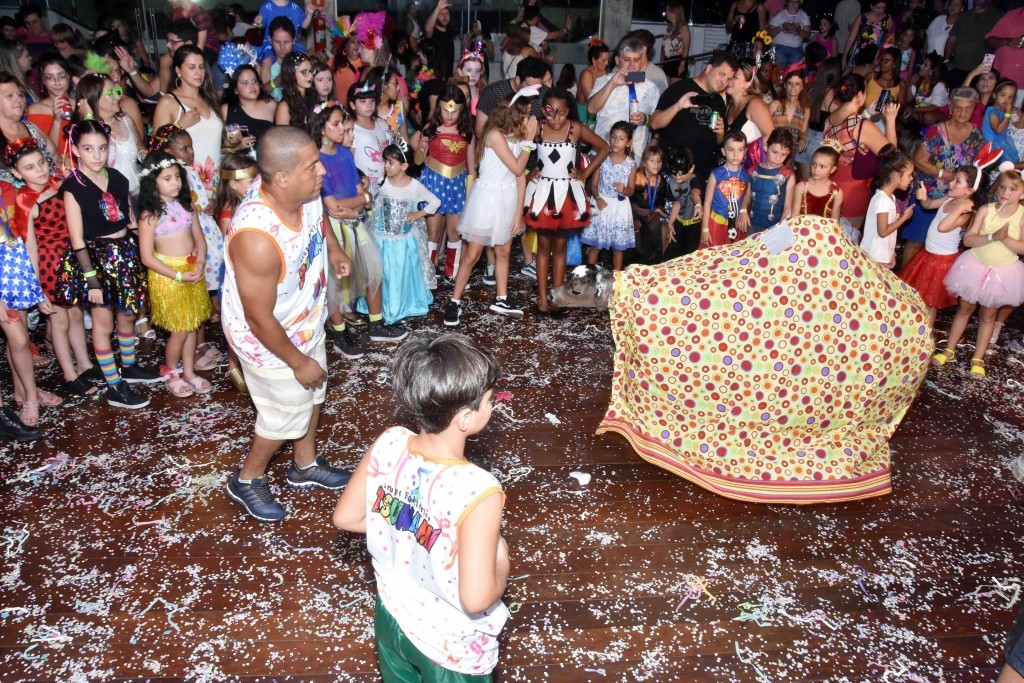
column 175, row 383
column 29, row 414
column 943, row 357
column 200, row 385
column 143, row 329
column 977, row 367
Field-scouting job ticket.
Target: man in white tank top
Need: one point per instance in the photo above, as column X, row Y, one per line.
column 274, row 310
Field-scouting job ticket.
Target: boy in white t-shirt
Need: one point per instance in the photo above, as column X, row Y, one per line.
column 432, row 519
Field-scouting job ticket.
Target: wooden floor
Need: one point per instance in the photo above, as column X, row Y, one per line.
column 121, row 558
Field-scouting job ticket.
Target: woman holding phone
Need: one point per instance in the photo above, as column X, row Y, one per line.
column 246, row 105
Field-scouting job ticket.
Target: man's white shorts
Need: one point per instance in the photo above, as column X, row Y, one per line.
column 283, row 406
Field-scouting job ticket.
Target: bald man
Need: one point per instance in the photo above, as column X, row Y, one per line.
column 274, row 309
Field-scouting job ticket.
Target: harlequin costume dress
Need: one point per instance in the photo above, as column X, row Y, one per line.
column 765, row 372
column 556, row 200
column 177, row 306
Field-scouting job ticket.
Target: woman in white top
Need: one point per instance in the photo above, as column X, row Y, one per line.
column 938, row 30
column 191, row 105
column 517, row 48
column 98, row 97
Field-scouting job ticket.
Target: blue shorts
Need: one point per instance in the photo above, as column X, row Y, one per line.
column 814, row 138
column 788, row 55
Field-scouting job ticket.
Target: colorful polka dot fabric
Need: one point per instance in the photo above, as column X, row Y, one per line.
column 774, row 378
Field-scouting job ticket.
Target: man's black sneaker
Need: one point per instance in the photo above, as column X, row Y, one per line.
column 381, row 332
column 256, row 498
column 320, row 474
column 451, row 313
column 121, row 395
column 348, row 343
column 136, row 374
column 13, row 429
column 506, row 307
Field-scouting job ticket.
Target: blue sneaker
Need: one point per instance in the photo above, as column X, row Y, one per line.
column 320, row 474
column 256, row 498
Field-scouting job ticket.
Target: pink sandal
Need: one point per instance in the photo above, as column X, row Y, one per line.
column 175, row 384
column 209, row 360
column 200, row 385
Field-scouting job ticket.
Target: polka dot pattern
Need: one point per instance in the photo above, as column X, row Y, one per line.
column 770, row 378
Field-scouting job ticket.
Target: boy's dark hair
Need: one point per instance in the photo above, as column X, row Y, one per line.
column 735, row 136
column 781, row 136
column 532, row 67
column 436, row 378
column 678, row 161
column 184, row 29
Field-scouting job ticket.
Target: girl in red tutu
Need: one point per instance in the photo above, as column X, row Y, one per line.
column 990, row 274
column 927, row 270
column 555, row 202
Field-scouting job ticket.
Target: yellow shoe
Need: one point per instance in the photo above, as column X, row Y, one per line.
column 977, row 367
column 943, row 357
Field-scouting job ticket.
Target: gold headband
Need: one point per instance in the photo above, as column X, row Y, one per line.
column 240, row 174
column 452, row 106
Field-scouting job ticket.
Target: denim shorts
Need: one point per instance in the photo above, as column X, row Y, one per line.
column 814, row 138
column 788, row 55
column 1015, row 644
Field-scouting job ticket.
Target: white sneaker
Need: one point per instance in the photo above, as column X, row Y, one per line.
column 1017, row 469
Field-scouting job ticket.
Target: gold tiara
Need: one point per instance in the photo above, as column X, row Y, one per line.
column 451, row 106
column 833, row 144
column 240, row 174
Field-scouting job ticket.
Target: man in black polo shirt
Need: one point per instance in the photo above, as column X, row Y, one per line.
column 683, row 116
column 530, row 71
column 436, row 31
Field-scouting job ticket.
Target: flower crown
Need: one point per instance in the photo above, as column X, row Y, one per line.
column 323, row 106
column 763, row 36
column 20, row 147
column 156, row 168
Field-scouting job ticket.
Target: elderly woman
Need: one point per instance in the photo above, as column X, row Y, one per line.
column 946, row 147
column 857, row 133
column 12, row 109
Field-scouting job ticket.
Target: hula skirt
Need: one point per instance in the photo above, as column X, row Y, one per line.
column 926, row 273
column 985, row 285
column 119, row 269
column 178, row 306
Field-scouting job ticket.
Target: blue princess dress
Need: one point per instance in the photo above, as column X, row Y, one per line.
column 408, row 273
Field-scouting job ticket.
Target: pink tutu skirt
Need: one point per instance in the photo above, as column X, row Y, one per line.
column 989, row 286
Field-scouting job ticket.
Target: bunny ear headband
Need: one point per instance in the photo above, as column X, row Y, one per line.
column 528, row 91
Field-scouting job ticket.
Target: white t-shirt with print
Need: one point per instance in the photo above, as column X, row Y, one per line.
column 414, row 505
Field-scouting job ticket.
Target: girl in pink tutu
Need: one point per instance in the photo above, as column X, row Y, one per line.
column 989, row 274
column 927, row 270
